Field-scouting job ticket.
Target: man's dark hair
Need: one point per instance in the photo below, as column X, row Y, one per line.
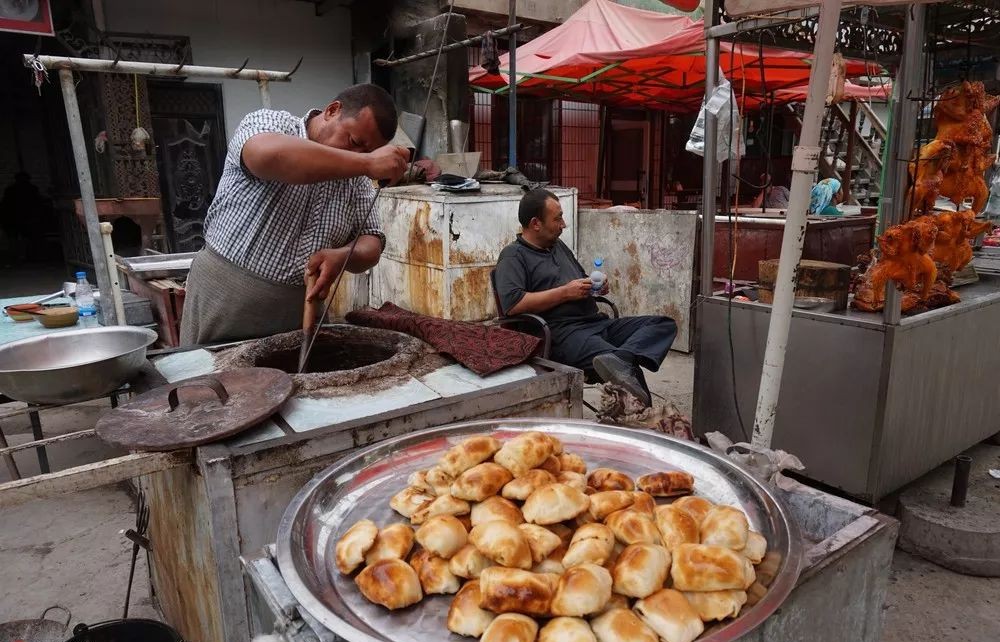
column 533, row 205
column 357, row 97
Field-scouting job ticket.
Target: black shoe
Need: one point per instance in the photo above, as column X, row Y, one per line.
column 614, row 370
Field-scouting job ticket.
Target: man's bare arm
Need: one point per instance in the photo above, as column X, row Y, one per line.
column 325, row 264
column 536, row 302
column 297, row 161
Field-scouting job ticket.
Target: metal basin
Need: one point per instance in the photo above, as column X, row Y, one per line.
column 72, row 366
column 361, row 485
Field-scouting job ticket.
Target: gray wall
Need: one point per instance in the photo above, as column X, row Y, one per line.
column 274, row 34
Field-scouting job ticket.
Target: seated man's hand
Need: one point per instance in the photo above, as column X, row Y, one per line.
column 578, row 289
column 325, row 264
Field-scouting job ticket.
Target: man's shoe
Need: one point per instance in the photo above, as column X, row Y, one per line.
column 613, row 369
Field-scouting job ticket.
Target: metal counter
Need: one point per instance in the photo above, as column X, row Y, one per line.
column 839, row 595
column 867, row 406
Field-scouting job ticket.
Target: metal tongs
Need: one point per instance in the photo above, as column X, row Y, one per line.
column 310, row 328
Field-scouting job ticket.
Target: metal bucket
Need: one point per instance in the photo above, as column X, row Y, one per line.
column 132, row 630
column 40, row 630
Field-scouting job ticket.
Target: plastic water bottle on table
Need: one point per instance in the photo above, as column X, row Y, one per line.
column 85, row 303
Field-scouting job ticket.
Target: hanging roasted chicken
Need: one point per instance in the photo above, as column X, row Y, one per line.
column 927, row 174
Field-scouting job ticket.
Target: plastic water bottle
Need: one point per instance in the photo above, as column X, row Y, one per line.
column 597, row 278
column 85, row 301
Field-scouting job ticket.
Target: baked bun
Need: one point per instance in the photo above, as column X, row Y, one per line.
column 725, row 526
column 554, row 503
column 573, row 480
column 468, row 562
column 524, row 452
column 434, row 573
column 670, row 615
column 573, row 463
column 591, row 544
column 503, row 543
column 551, row 464
column 617, row 601
column 643, row 502
column 566, row 629
column 697, row 567
column 621, row 625
column 716, row 605
column 670, row 483
column 465, row 616
column 609, row 479
column 549, row 565
column 631, row 527
column 480, row 481
column 393, row 542
column 641, row 570
column 541, row 541
column 442, row 505
column 756, row 548
column 494, row 509
column 391, row 583
column 696, row 507
column 474, row 450
column 520, row 488
column 676, row 526
column 433, row 480
column 410, row 500
column 442, row 535
column 354, row 544
column 509, row 590
column 510, row 627
column 582, row 590
column 604, row 503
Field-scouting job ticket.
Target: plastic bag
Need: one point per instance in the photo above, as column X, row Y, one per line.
column 992, row 211
column 765, row 464
column 729, row 142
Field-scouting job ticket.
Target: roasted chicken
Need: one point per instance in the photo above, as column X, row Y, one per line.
column 927, row 174
column 952, row 248
column 960, row 115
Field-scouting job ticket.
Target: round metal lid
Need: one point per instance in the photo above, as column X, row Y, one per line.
column 360, row 486
column 196, row 411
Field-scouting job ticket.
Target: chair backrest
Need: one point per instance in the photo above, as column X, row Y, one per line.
column 496, row 295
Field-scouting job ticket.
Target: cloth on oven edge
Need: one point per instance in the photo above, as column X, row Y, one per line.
column 484, row 349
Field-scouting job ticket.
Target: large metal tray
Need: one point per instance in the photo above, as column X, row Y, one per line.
column 360, row 487
column 159, row 266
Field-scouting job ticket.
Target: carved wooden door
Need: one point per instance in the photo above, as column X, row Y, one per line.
column 189, row 131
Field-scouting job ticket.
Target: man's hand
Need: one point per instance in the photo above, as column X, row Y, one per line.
column 604, row 289
column 325, row 264
column 577, row 290
column 387, row 163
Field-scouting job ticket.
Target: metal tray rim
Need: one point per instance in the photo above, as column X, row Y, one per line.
column 777, row 592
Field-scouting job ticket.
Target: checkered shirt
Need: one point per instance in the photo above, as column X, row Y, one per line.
column 270, row 228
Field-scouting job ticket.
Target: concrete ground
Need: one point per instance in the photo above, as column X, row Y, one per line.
column 69, row 550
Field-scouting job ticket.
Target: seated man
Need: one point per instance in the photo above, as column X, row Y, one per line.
column 538, row 274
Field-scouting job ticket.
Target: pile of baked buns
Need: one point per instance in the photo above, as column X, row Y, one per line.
column 535, row 548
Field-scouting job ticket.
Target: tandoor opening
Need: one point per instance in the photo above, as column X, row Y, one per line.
column 328, row 355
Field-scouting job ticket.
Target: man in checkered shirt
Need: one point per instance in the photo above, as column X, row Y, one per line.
column 294, row 191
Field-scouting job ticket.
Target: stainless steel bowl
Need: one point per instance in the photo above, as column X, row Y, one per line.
column 360, row 486
column 71, row 366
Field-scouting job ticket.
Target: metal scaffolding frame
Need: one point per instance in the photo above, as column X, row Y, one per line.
column 804, row 165
column 66, row 66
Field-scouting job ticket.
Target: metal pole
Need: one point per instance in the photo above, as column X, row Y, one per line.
column 265, row 93
column 108, row 315
column 150, row 69
column 910, row 83
column 710, row 170
column 960, row 482
column 805, row 159
column 512, row 99
column 475, row 40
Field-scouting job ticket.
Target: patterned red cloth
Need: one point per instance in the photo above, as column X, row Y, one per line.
column 484, row 349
